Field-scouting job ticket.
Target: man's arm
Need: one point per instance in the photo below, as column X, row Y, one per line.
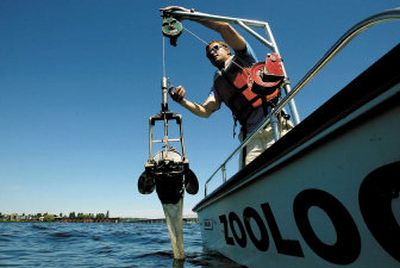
column 209, row 106
column 228, row 33
column 203, row 110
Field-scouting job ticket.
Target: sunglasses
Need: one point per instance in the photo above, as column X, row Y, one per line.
column 214, row 48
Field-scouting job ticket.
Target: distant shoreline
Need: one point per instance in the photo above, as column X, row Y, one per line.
column 86, row 219
column 110, row 220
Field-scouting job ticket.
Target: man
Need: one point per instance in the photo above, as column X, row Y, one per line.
column 224, row 90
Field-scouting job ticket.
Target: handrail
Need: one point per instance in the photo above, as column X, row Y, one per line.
column 384, row 16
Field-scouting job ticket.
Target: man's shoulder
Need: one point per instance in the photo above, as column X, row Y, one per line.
column 217, row 75
column 246, row 54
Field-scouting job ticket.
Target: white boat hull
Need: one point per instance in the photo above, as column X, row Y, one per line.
column 328, row 201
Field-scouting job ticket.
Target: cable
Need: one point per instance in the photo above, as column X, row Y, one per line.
column 206, row 43
column 164, row 55
column 195, row 35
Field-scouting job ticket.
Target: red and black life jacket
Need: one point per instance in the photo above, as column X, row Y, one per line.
column 255, row 86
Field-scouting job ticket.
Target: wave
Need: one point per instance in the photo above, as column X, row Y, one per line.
column 38, row 226
column 99, row 245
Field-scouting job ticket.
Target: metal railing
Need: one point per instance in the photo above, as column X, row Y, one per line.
column 384, row 16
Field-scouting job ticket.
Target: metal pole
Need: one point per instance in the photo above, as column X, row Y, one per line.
column 223, row 173
column 182, row 139
column 200, row 15
column 275, row 127
column 164, row 109
column 164, row 88
column 292, row 106
column 270, row 45
column 287, row 88
column 151, row 140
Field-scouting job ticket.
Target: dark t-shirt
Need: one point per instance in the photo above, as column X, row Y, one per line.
column 223, row 91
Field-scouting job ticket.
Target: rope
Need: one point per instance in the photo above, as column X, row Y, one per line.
column 195, row 35
column 164, row 55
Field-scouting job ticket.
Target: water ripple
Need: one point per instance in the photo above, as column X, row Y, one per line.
column 99, row 245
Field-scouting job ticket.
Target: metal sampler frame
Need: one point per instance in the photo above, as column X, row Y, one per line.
column 388, row 15
column 165, row 115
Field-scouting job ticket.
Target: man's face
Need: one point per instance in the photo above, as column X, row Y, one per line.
column 217, row 54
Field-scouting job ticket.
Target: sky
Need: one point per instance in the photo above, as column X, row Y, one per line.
column 79, row 80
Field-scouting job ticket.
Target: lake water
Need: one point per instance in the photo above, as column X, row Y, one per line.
column 100, row 245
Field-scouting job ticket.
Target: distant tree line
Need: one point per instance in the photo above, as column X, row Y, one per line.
column 52, row 217
column 73, row 215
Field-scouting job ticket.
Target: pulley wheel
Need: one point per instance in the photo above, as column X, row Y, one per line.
column 171, row 27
